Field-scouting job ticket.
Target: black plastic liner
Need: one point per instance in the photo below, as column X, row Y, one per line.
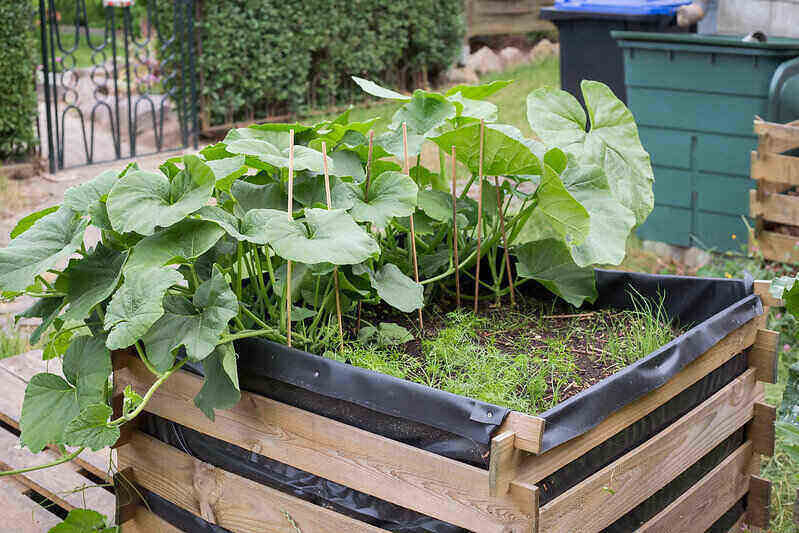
column 461, row 428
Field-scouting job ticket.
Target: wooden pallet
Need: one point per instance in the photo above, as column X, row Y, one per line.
column 32, row 502
column 775, row 173
column 501, row 500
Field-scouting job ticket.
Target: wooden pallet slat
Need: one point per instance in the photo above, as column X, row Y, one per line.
column 775, row 167
column 144, row 521
column 410, row 477
column 776, row 138
column 619, row 487
column 705, row 502
column 235, row 503
column 779, row 208
column 20, row 514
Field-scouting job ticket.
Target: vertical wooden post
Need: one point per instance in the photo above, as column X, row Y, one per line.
column 479, row 219
column 413, row 231
column 291, row 218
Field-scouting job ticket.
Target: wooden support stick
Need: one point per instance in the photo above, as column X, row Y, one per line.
column 479, row 219
column 505, row 241
column 413, row 232
column 335, row 269
column 455, row 233
column 291, row 218
column 366, row 199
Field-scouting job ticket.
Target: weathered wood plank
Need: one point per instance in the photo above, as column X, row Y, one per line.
column 508, row 24
column 15, row 372
column 536, row 468
column 763, row 355
column 779, row 208
column 758, row 503
column 708, row 500
column 21, row 514
column 598, row 501
column 775, row 168
column 225, row 499
column 416, row 479
column 61, row 484
column 761, row 429
column 529, row 430
column 504, row 460
column 778, row 247
column 776, row 138
column 146, row 522
column 763, row 289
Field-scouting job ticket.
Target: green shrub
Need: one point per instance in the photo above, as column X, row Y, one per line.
column 268, row 57
column 17, row 94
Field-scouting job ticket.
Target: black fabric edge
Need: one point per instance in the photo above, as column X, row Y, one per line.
column 587, row 409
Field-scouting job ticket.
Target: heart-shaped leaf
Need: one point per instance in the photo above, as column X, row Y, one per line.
column 395, row 288
column 478, row 92
column 90, row 280
column 502, row 154
column 423, row 113
column 90, row 428
column 186, row 240
column 550, row 263
column 391, row 194
column 221, row 386
column 82, row 197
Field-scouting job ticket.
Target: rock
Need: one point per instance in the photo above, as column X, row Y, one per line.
column 455, row 76
column 544, row 48
column 696, row 258
column 484, row 61
column 511, row 56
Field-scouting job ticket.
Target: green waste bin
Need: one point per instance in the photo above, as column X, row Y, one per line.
column 694, row 98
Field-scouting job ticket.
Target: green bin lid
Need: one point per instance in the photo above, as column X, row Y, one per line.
column 701, row 40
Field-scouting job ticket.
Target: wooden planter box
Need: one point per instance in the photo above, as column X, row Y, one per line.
column 775, row 173
column 502, row 499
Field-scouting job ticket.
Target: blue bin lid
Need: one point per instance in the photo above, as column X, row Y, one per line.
column 622, row 7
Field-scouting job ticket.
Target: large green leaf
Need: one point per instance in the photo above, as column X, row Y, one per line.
column 196, row 325
column 186, row 240
column 87, row 365
column 45, row 308
column 90, row 280
column 82, row 197
column 478, row 92
column 550, row 263
column 391, row 194
column 84, row 521
column 49, row 404
column 424, row 113
column 25, row 223
column 50, row 240
column 474, row 109
column 248, row 228
column 436, row 204
column 395, row 288
column 324, row 237
column 557, row 215
column 611, row 222
column 137, row 304
column 304, row 158
column 502, row 154
column 392, row 142
column 227, row 170
column 612, row 143
column 141, row 201
column 253, row 196
column 374, row 89
column 90, row 428
column 221, row 386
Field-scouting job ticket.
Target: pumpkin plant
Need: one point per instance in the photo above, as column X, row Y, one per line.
column 182, row 262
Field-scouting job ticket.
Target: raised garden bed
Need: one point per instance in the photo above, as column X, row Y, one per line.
column 774, row 204
column 218, row 279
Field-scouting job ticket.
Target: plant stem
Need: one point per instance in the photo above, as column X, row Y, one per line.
column 60, row 460
column 154, row 387
column 144, row 360
column 239, row 247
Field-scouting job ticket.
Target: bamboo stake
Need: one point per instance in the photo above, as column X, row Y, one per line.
column 366, row 199
column 413, row 231
column 291, row 218
column 455, row 234
column 479, row 220
column 335, row 269
column 505, row 242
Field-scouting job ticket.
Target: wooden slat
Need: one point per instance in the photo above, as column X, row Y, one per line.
column 776, row 138
column 761, row 429
column 15, row 372
column 504, row 460
column 416, row 479
column 763, row 289
column 237, row 504
column 60, row 484
column 500, row 7
column 780, row 208
column 529, row 430
column 758, row 503
column 601, row 499
column 775, row 168
column 146, row 522
column 708, row 499
column 778, row 247
column 508, row 24
column 19, row 513
column 763, row 355
column 536, row 468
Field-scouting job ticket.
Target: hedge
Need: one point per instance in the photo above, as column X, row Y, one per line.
column 17, row 93
column 268, row 57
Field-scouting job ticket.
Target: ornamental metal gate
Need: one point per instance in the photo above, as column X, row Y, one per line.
column 117, row 86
